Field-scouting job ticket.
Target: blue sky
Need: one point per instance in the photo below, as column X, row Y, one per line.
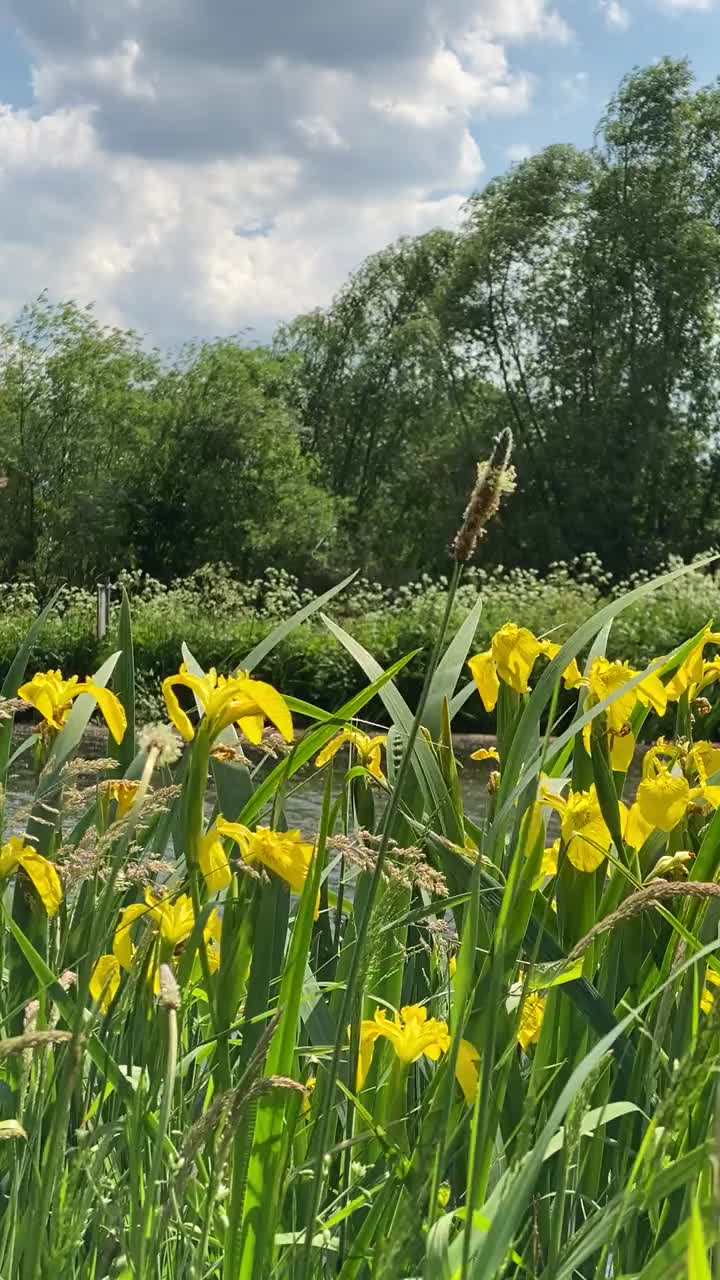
column 203, row 166
column 575, row 80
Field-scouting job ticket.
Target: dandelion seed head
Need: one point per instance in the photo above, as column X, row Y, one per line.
column 162, row 738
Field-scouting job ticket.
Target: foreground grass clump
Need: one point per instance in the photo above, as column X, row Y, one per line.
column 403, row 1045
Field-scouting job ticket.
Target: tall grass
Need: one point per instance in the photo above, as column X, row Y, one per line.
column 242, row 1098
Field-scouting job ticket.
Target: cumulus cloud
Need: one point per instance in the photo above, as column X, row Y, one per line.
column 518, row 151
column 197, row 165
column 616, row 16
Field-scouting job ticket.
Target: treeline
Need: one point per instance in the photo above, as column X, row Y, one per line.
column 577, row 304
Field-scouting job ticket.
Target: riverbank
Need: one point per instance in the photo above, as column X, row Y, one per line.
column 222, row 621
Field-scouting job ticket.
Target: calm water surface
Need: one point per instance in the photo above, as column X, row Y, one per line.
column 304, row 802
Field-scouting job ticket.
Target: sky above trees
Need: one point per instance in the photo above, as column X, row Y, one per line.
column 203, row 166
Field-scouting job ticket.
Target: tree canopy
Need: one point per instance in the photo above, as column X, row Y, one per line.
column 576, row 303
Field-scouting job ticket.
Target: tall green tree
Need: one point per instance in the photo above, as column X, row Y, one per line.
column 74, row 428
column 586, row 285
column 228, row 479
column 394, row 416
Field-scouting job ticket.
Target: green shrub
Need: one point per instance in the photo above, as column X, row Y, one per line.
column 221, row 619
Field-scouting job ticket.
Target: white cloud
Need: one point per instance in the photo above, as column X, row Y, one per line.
column 616, row 16
column 197, row 165
column 518, row 151
column 575, row 90
column 704, row 6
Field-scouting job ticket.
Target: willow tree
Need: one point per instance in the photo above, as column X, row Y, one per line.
column 585, row 285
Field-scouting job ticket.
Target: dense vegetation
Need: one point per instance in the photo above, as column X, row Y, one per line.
column 221, row 618
column 576, row 303
column 411, row 1045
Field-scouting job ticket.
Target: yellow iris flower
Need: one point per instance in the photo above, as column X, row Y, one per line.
column 707, row 999
column 53, row 697
column 704, row 758
column 532, row 1013
column 172, row 919
column 173, row 916
column 15, row 853
column 369, row 750
column 605, row 678
column 283, row 852
column 228, row 700
column 584, row 833
column 123, row 792
column 413, row 1035
column 694, row 673
column 486, row 753
column 663, row 798
column 511, row 657
column 549, row 864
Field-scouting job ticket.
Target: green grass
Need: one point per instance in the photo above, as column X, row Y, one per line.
column 210, row 1124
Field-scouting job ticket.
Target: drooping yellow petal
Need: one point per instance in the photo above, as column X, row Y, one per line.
column 515, row 650
column 272, row 704
column 663, row 800
column 572, row 676
column 710, row 674
column 44, row 877
column 652, row 693
column 549, row 864
column 177, row 716
column 122, row 941
column 587, row 850
column 373, row 760
column 467, row 1071
column 704, row 758
column 531, row 1017
column 486, row 753
column 213, row 862
column 252, row 727
column 10, row 854
column 484, row 673
column 637, row 829
column 111, row 708
column 711, row 795
column 691, row 673
column 331, row 748
column 622, row 750
column 104, row 981
column 369, row 1032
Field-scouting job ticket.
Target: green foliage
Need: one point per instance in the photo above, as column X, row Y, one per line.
column 577, row 305
column 204, row 1115
column 112, row 457
column 574, row 304
column 222, row 618
column 586, row 282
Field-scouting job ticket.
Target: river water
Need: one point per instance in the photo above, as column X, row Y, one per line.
column 304, row 800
